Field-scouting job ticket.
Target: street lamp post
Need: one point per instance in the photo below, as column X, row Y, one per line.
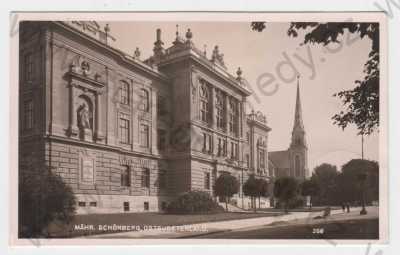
column 362, row 178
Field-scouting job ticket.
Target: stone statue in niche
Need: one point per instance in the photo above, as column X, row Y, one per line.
column 84, row 117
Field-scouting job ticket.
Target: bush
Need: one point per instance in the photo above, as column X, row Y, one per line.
column 194, row 202
column 43, row 198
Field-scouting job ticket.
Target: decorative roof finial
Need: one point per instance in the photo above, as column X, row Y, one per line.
column 205, row 50
column 137, row 53
column 189, row 34
column 107, row 28
column 239, row 73
column 177, row 31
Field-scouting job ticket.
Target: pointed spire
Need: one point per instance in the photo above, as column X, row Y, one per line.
column 298, row 116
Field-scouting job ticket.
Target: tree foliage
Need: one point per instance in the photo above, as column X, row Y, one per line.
column 194, row 202
column 349, row 184
column 361, row 103
column 310, row 188
column 326, row 177
column 226, row 186
column 43, row 198
column 285, row 190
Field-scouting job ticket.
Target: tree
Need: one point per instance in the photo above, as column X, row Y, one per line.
column 250, row 188
column 350, row 185
column 226, row 186
column 285, row 189
column 326, row 175
column 262, row 189
column 310, row 188
column 361, row 103
column 43, row 198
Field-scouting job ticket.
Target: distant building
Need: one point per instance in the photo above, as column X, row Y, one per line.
column 293, row 161
column 130, row 135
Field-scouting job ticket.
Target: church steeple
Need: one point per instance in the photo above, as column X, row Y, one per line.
column 298, row 116
column 298, row 133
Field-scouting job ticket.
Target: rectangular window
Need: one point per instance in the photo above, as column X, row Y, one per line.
column 28, row 114
column 81, row 204
column 126, row 177
column 146, row 206
column 146, row 178
column 233, row 116
column 207, row 181
column 162, row 179
column 124, row 93
column 28, row 65
column 124, row 129
column 219, row 153
column 161, row 141
column 126, row 206
column 248, row 160
column 93, row 204
column 144, row 100
column 144, row 135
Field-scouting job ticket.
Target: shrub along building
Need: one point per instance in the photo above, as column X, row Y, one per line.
column 129, row 134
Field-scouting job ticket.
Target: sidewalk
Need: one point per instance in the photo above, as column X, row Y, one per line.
column 215, row 227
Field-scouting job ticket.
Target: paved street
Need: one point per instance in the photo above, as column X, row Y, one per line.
column 206, row 230
column 339, row 226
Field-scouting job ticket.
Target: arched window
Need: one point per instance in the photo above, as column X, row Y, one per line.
column 204, row 103
column 144, row 100
column 297, row 164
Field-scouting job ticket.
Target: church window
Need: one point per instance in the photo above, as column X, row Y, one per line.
column 297, row 165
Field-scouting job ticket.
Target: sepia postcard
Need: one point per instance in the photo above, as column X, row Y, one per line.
column 198, row 128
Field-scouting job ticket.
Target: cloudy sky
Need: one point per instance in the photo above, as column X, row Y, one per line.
column 264, row 58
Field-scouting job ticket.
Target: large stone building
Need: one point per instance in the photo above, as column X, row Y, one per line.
column 129, row 134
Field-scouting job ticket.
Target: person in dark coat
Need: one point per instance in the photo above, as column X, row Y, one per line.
column 348, row 207
column 343, row 207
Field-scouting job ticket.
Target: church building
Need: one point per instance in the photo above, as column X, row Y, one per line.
column 293, row 162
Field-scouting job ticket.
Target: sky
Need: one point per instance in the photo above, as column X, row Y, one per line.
column 270, row 61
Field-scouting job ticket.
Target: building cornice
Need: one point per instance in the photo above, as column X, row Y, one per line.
column 117, row 53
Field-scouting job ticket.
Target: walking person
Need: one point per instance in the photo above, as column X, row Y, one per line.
column 348, row 207
column 343, row 207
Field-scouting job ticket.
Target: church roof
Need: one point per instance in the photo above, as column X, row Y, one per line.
column 280, row 159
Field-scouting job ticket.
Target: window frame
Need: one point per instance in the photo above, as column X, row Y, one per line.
column 126, row 177
column 146, row 178
column 144, row 133
column 207, row 180
column 144, row 100
column 124, row 93
column 124, row 130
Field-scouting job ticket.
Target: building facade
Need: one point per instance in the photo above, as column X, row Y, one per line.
column 128, row 134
